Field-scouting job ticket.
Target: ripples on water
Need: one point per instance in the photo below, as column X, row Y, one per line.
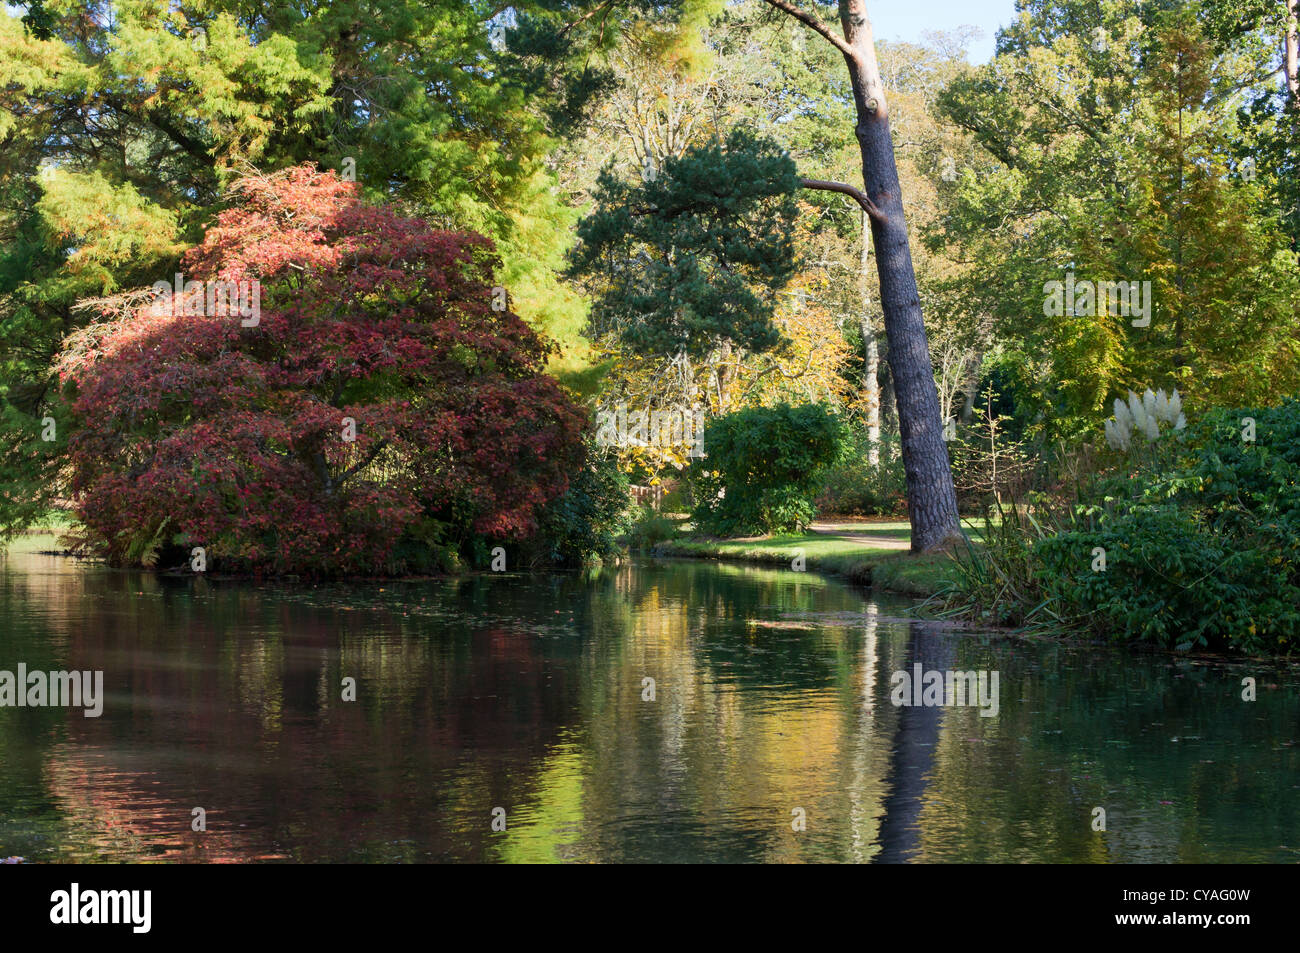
column 772, row 693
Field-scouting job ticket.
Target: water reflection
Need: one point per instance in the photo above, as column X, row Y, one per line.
column 771, row 694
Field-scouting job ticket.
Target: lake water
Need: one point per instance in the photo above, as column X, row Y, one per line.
column 771, row 710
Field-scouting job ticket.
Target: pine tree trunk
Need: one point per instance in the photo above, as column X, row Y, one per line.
column 888, row 406
column 931, row 499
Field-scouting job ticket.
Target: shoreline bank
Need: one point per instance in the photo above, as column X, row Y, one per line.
column 893, row 571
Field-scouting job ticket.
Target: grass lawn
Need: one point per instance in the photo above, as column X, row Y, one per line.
column 868, row 552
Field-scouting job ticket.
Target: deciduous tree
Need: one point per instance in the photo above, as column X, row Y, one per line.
column 379, row 409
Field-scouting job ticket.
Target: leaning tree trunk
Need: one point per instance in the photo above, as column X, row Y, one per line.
column 931, row 499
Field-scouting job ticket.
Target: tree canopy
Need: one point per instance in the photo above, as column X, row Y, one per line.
column 379, row 408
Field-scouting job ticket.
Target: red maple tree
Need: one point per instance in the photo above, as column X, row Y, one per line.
column 196, row 430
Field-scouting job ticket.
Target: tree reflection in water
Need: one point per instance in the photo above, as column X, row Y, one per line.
column 525, row 692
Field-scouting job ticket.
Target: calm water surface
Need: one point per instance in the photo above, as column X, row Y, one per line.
column 771, row 694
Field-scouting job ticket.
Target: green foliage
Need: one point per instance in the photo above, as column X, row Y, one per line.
column 853, row 487
column 692, row 257
column 1119, row 148
column 763, row 468
column 1173, row 579
column 426, row 546
column 29, row 466
column 587, row 521
column 551, row 42
column 649, row 529
column 1202, row 547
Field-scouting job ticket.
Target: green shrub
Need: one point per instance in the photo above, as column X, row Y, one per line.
column 587, row 521
column 762, row 468
column 1170, row 578
column 1202, row 546
column 650, row 528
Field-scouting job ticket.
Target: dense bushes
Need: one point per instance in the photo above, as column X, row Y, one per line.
column 650, row 528
column 378, row 415
column 588, row 520
column 762, row 468
column 1201, row 545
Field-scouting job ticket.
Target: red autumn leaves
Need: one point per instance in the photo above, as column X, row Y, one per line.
column 197, row 431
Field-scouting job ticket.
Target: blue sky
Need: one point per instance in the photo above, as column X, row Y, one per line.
column 908, row 19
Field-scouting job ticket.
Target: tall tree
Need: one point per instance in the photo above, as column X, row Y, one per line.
column 687, row 263
column 123, row 123
column 931, row 498
column 1122, row 155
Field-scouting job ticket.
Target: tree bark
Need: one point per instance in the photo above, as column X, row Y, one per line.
column 931, row 498
column 971, row 382
column 888, row 406
column 1293, row 50
column 871, row 372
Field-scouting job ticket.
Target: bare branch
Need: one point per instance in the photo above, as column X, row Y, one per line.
column 601, row 8
column 810, row 21
column 856, row 194
column 364, row 461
